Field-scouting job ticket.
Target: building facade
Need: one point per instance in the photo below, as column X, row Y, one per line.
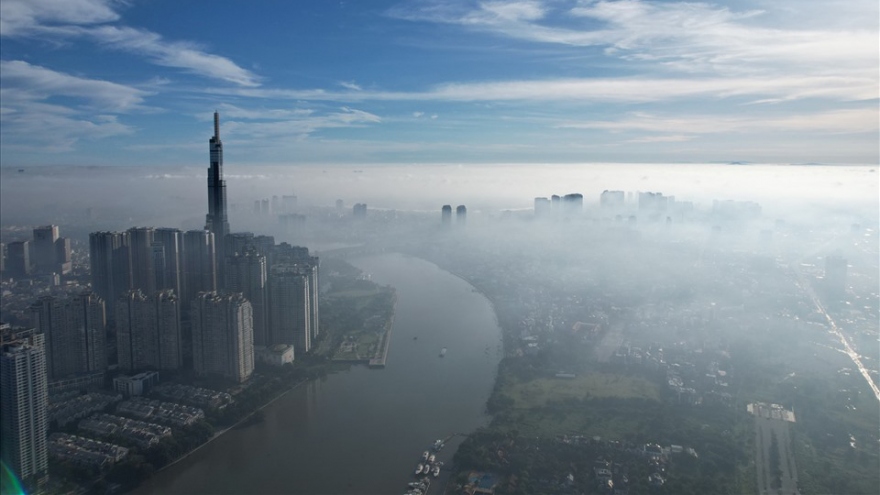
column 223, row 340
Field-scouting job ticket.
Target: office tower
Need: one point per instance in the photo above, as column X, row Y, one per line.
column 246, row 273
column 24, row 421
column 44, row 248
column 573, row 203
column 140, row 249
column 216, row 221
column 111, row 266
column 148, row 331
column 75, row 333
column 63, row 256
column 168, row 263
column 611, row 199
column 223, row 341
column 460, row 215
column 555, row 203
column 446, row 215
column 290, row 307
column 542, row 207
column 19, row 259
column 359, row 211
column 835, row 276
column 200, row 272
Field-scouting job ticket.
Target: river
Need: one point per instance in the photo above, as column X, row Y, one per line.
column 361, row 431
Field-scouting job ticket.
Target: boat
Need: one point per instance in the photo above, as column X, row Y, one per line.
column 419, row 469
column 425, row 455
column 431, row 459
column 436, row 471
column 442, row 352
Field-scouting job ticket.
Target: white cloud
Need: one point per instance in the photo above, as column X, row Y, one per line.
column 71, row 19
column 23, row 17
column 621, row 89
column 350, row 85
column 262, row 123
column 29, row 121
column 834, row 121
column 32, row 82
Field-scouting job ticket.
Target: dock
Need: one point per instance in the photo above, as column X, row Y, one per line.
column 378, row 360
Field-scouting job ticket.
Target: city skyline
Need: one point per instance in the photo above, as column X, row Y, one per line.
column 111, row 83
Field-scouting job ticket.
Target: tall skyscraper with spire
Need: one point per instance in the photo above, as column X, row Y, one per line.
column 216, row 221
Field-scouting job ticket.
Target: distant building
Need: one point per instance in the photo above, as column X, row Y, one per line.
column 24, row 420
column 573, row 204
column 543, row 207
column 446, row 215
column 168, row 265
column 142, row 252
column 63, row 256
column 223, row 341
column 18, row 259
column 612, row 199
column 75, row 333
column 461, row 215
column 359, row 211
column 44, row 248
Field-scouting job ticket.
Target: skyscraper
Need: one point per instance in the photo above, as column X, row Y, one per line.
column 223, row 341
column 169, row 276
column 75, row 333
column 216, row 221
column 111, row 266
column 24, row 420
column 18, row 259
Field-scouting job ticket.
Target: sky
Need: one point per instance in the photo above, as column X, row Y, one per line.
column 114, row 82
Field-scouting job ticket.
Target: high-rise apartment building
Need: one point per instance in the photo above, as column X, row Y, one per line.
column 141, row 252
column 200, row 272
column 290, row 306
column 75, row 331
column 222, row 329
column 24, row 421
column 246, row 273
column 111, row 266
column 148, row 331
column 611, row 199
column 168, row 265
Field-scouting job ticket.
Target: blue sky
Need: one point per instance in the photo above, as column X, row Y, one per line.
column 103, row 82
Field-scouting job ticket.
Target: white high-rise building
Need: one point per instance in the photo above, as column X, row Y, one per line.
column 223, row 335
column 75, row 330
column 290, row 307
column 148, row 331
column 23, row 412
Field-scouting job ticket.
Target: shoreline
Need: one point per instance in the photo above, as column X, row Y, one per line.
column 220, row 433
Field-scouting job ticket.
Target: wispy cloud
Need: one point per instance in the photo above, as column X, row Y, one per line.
column 619, row 89
column 834, row 121
column 32, row 119
column 89, row 19
column 273, row 123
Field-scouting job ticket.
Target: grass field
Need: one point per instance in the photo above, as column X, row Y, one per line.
column 541, row 391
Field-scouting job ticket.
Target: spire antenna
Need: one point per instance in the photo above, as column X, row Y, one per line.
column 216, row 125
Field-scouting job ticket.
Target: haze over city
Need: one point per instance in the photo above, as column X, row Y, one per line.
column 439, row 247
